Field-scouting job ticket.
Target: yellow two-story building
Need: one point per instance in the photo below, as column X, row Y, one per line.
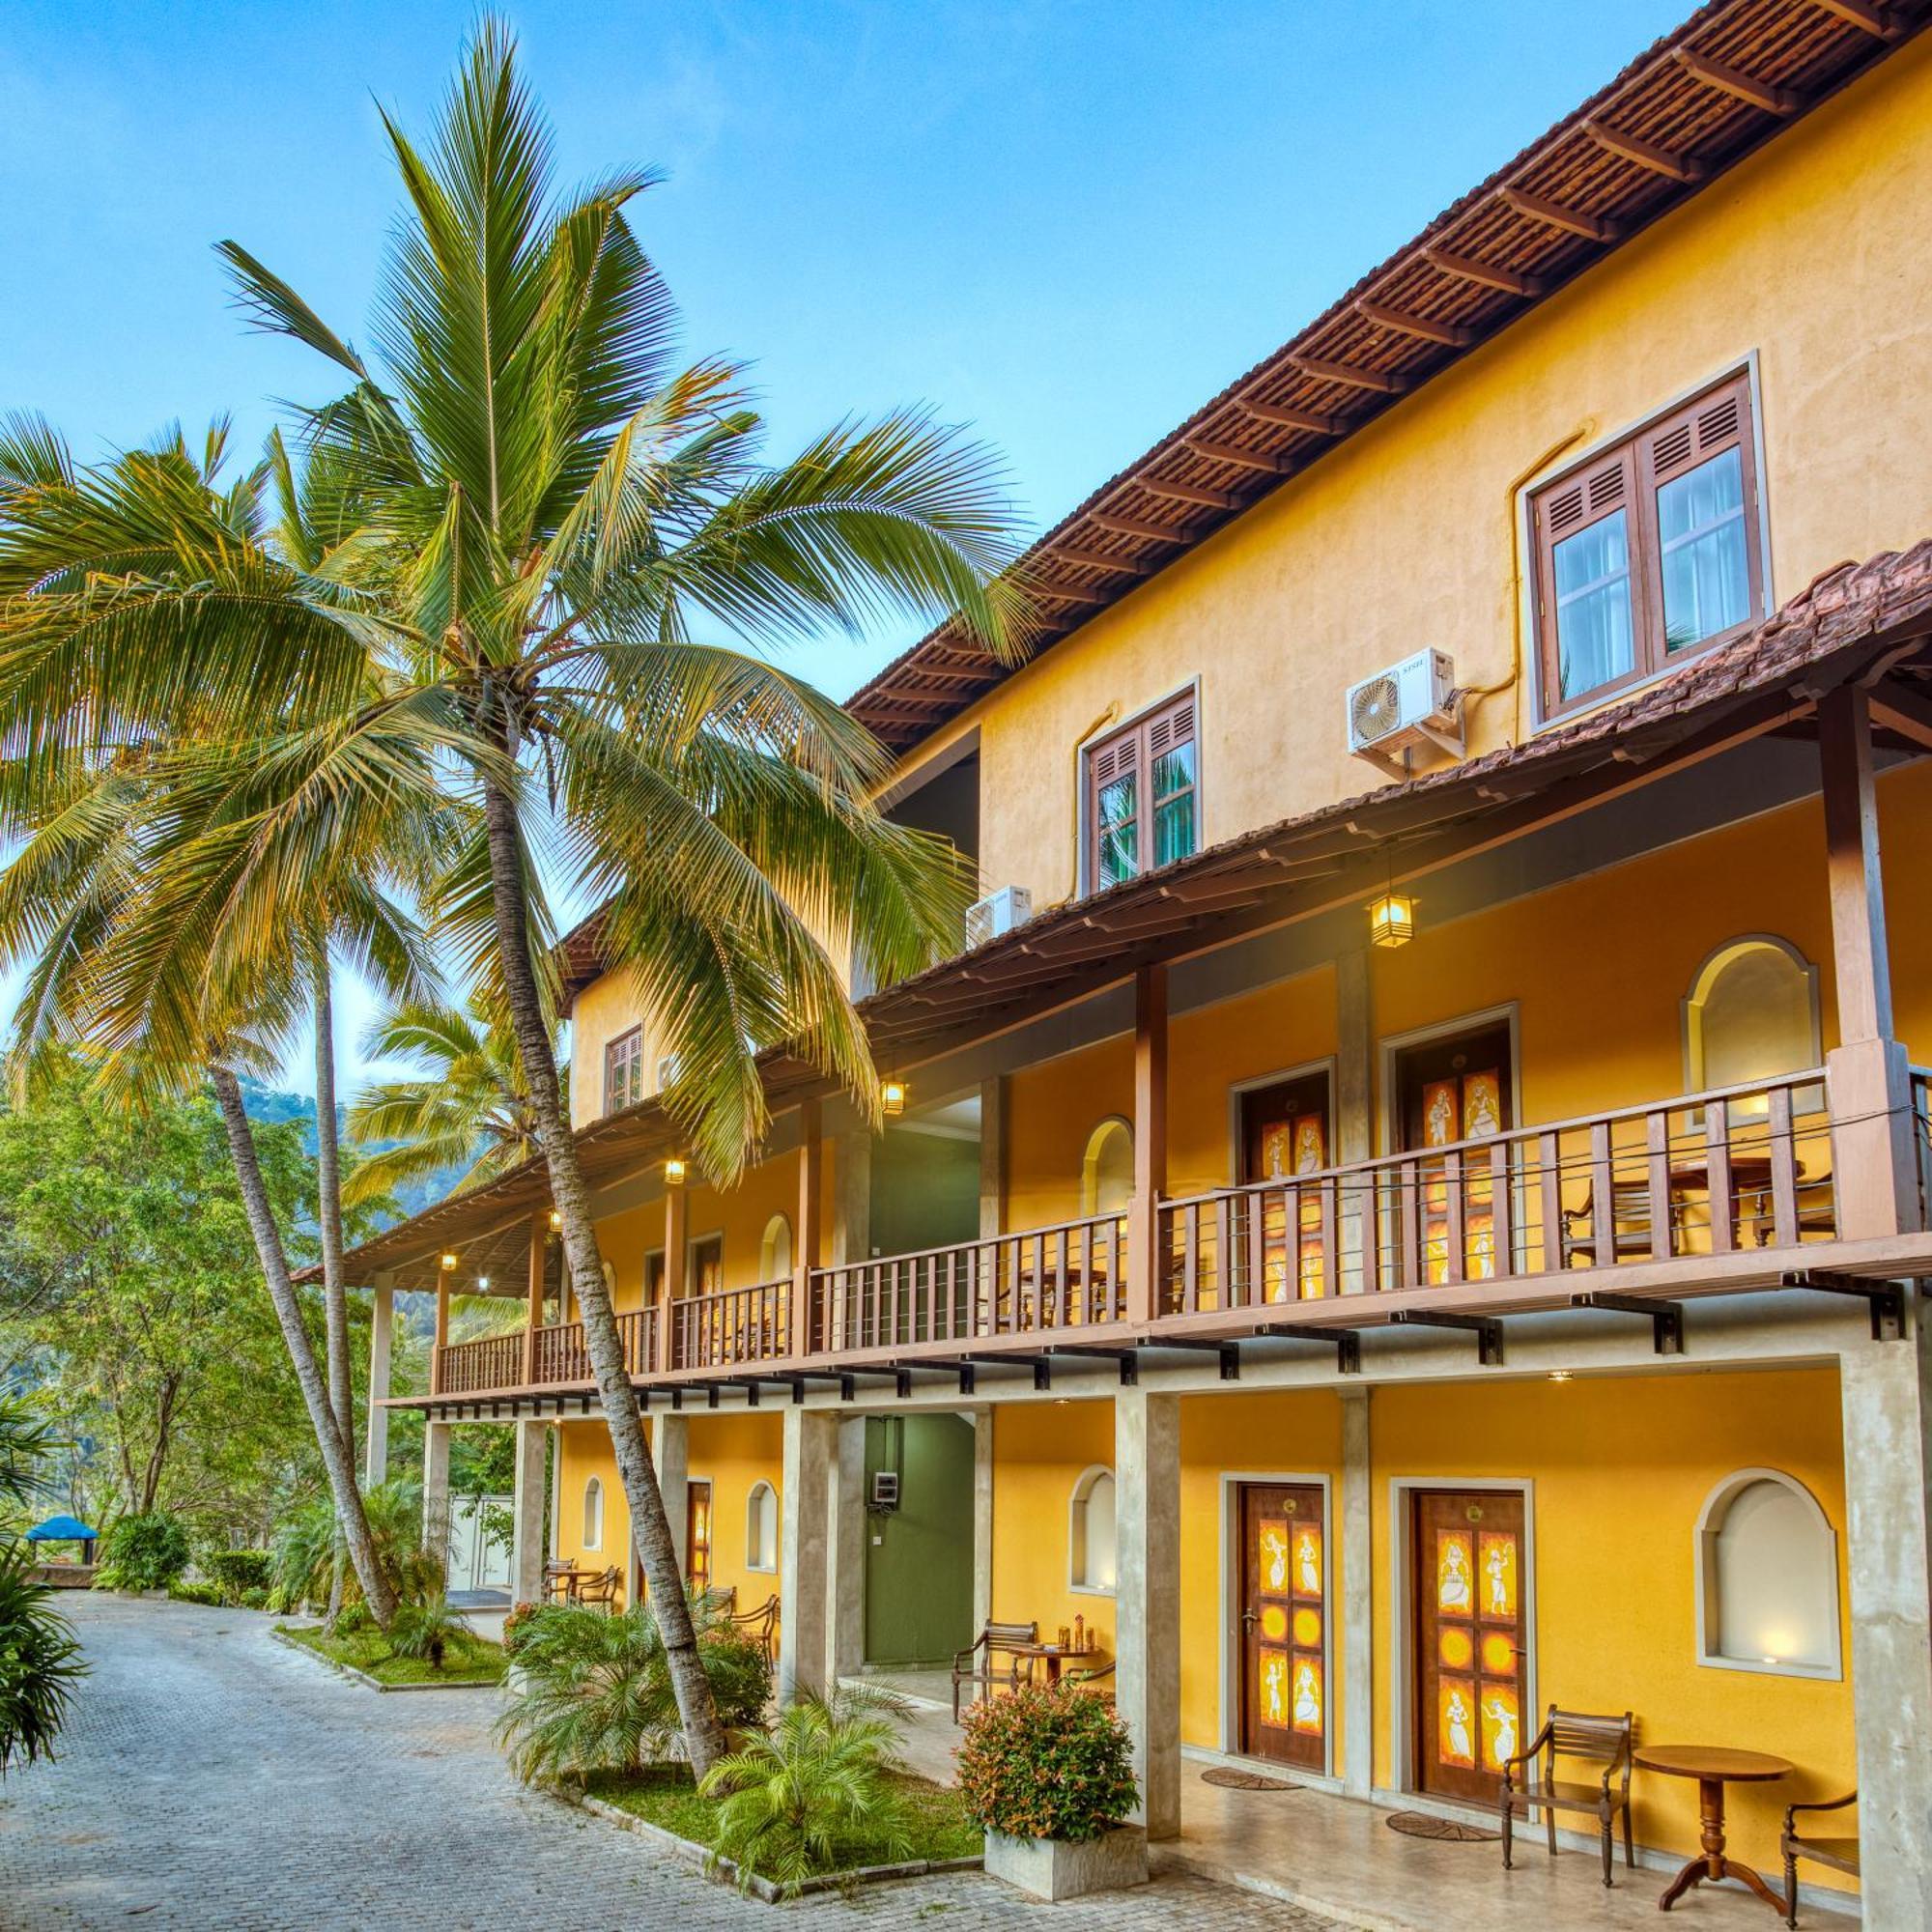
column 1408, row 1205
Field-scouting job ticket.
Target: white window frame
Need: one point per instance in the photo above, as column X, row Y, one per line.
column 754, row 1551
column 593, row 1492
column 1082, row 817
column 1076, row 1530
column 1710, row 1525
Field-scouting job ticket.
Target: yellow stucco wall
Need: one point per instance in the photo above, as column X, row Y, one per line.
column 1806, row 256
column 585, row 1452
column 733, row 1452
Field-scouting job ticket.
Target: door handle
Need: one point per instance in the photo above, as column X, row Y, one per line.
column 1249, row 1619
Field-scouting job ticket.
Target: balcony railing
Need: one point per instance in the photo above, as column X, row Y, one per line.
column 1722, row 1174
column 1707, row 1175
column 1039, row 1283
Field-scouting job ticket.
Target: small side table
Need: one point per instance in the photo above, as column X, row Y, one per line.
column 1054, row 1655
column 1714, row 1768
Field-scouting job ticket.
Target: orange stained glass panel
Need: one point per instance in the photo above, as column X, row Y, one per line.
column 1441, row 1122
column 1276, row 1140
column 1307, row 1627
column 1308, row 1695
column 1458, row 1648
column 1273, row 1700
column 1501, row 1725
column 1272, row 1538
column 1311, row 1144
column 1456, row 1721
column 1498, row 1555
column 1499, row 1655
column 1455, row 1577
column 1482, row 1104
column 1275, row 1623
column 1307, row 1561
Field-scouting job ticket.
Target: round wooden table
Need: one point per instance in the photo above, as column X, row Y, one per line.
column 1714, row 1768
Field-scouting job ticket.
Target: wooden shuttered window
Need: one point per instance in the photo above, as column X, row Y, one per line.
column 1650, row 551
column 1142, row 795
column 624, row 1071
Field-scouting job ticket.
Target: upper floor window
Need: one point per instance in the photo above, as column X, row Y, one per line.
column 1140, row 800
column 624, row 1070
column 1649, row 550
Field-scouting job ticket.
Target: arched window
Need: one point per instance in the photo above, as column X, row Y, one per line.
column 1093, row 1532
column 761, row 1528
column 1107, row 1173
column 593, row 1514
column 1767, row 1577
column 1751, row 1014
column 775, row 1250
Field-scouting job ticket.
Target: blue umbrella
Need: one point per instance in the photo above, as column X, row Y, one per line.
column 65, row 1529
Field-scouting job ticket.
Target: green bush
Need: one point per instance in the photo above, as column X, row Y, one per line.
column 302, row 1557
column 427, row 1632
column 254, row 1600
column 40, row 1662
column 210, row 1594
column 143, row 1553
column 235, row 1572
column 595, row 1691
column 1046, row 1763
column 828, row 1772
column 517, row 1624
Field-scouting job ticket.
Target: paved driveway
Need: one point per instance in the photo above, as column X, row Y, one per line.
column 212, row 1778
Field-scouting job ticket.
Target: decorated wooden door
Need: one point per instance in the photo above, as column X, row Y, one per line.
column 697, row 1537
column 1471, row 1659
column 1453, row 1090
column 1284, row 1700
column 1284, row 1134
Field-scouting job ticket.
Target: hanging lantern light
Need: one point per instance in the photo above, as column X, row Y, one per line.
column 892, row 1098
column 1392, row 920
column 675, row 1172
column 450, row 1260
column 556, row 1220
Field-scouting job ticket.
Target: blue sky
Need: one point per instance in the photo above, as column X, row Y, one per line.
column 1065, row 223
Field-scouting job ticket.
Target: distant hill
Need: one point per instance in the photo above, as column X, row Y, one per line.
column 271, row 1106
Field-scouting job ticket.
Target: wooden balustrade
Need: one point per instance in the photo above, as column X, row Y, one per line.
column 732, row 1326
column 494, row 1362
column 1744, row 1167
column 1921, row 1138
column 1045, row 1280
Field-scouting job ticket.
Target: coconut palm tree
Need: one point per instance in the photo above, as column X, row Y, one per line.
column 568, row 560
column 466, row 1108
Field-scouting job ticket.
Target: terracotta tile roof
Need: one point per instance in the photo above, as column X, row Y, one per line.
column 1688, row 108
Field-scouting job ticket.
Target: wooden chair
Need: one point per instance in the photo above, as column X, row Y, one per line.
column 600, row 1592
column 978, row 1662
column 762, row 1623
column 1630, row 1225
column 1096, row 1683
column 1838, row 1854
column 556, row 1580
column 1571, row 1734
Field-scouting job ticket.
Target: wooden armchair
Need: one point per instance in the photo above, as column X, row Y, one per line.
column 1096, row 1683
column 556, row 1580
column 762, row 1623
column 1631, row 1237
column 1571, row 1734
column 600, row 1592
column 980, row 1662
column 1838, row 1854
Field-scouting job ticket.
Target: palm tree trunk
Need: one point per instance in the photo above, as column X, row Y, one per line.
column 697, row 1713
column 336, row 1457
column 328, row 1201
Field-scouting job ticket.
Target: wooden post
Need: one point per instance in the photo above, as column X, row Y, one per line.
column 1868, row 1078
column 673, row 1287
column 539, row 1255
column 805, row 1244
column 1149, row 1140
column 439, row 1340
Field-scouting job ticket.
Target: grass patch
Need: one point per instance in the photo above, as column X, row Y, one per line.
column 473, row 1663
column 666, row 1798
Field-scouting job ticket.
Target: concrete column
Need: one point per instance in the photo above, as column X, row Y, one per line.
column 1354, row 1107
column 1356, row 1602
column 852, row 1199
column 805, row 1243
column 670, row 1451
column 527, row 1549
column 381, row 1321
column 435, row 1490
column 846, row 1545
column 804, row 1566
column 1147, row 1598
column 992, row 1156
column 1886, row 1390
column 983, row 1519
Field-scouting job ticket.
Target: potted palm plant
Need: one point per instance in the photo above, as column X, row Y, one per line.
column 1047, row 1775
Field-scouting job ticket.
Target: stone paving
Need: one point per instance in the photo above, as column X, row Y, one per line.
column 214, row 1779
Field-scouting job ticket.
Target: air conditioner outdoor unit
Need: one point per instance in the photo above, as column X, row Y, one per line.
column 1410, row 703
column 996, row 913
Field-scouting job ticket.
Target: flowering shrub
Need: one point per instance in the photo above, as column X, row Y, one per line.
column 516, row 1623
column 1046, row 1764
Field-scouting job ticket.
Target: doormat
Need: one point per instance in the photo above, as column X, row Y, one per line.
column 1419, row 1825
column 1246, row 1781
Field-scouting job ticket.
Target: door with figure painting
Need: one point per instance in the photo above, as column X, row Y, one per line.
column 1284, row 1608
column 1471, row 1661
column 1450, row 1091
column 697, row 1537
column 1284, row 1134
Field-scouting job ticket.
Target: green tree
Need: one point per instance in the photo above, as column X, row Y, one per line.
column 564, row 561
column 40, row 1660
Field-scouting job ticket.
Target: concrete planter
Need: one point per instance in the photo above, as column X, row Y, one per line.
column 1054, row 1868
